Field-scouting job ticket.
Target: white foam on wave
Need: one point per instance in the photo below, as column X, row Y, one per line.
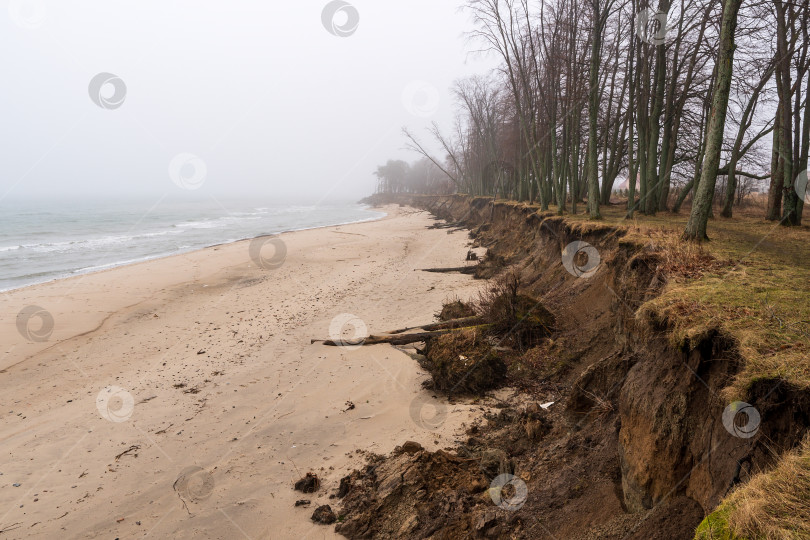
column 92, row 243
column 64, row 258
column 105, row 266
column 235, row 217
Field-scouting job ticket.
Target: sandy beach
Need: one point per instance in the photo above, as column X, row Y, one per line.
column 181, row 397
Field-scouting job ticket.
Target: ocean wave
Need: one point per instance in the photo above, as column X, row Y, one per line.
column 38, row 257
column 71, row 245
column 217, row 222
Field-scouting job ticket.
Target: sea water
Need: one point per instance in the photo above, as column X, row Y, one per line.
column 42, row 241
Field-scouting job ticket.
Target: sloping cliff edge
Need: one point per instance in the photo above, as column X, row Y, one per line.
column 675, row 437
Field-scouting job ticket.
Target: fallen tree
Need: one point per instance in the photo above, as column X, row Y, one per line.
column 460, row 269
column 399, row 339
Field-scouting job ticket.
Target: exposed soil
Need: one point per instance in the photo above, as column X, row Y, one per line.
column 464, row 362
column 614, row 432
column 309, row 483
column 456, row 309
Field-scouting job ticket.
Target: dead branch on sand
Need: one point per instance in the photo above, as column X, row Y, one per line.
column 399, row 339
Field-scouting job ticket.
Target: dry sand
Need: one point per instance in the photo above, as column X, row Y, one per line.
column 214, row 369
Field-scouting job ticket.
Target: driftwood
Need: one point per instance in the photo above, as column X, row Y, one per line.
column 460, row 269
column 398, row 339
column 442, row 325
column 401, row 339
column 454, row 225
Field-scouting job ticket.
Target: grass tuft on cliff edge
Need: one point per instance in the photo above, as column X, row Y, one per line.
column 774, row 505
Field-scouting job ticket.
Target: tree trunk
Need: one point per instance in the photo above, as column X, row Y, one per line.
column 632, row 164
column 702, row 204
column 593, row 111
column 653, row 180
column 805, row 150
column 775, row 190
column 783, row 88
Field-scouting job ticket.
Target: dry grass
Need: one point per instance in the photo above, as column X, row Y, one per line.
column 455, row 308
column 516, row 319
column 680, row 259
column 602, row 407
column 773, row 505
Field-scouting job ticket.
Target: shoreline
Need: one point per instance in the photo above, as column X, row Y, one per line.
column 202, row 362
column 111, row 266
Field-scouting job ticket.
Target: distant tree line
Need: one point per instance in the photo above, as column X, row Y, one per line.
column 422, row 176
column 670, row 95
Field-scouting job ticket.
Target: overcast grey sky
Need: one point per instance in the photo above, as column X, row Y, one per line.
column 268, row 99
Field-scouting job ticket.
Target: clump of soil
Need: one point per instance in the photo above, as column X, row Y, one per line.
column 516, row 318
column 323, row 514
column 455, row 309
column 464, row 362
column 413, row 495
column 308, row 484
column 475, row 359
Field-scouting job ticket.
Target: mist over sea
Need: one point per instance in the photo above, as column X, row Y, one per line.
column 42, row 241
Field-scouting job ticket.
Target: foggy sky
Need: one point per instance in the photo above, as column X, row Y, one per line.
column 269, row 100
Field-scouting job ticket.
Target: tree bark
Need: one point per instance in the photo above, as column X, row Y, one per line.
column 775, row 190
column 653, row 180
column 593, row 111
column 783, row 86
column 704, row 195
